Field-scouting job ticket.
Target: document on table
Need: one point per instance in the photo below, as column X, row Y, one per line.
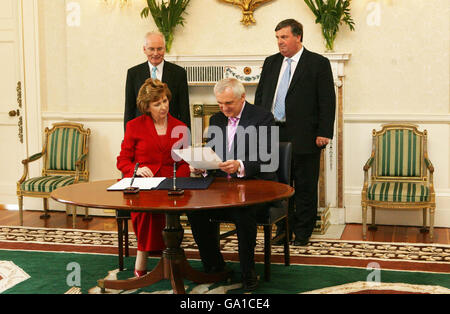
column 141, row 183
column 199, row 157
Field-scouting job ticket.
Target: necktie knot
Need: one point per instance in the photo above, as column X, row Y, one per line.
column 233, row 121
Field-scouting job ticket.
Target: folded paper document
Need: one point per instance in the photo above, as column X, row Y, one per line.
column 141, row 183
column 199, row 157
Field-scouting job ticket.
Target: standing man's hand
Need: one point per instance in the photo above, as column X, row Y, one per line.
column 322, row 141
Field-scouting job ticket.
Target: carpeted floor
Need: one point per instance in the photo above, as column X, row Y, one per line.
column 56, row 272
column 48, row 260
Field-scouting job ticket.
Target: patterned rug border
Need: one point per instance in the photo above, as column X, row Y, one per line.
column 334, row 250
column 259, row 236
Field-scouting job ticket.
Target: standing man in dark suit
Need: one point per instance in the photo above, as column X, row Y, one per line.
column 297, row 86
column 237, row 121
column 156, row 67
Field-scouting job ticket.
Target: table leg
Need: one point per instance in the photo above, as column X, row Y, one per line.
column 152, row 277
column 173, row 265
column 201, row 277
column 179, row 266
column 176, row 278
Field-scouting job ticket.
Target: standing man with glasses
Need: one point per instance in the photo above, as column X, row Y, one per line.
column 297, row 86
column 157, row 68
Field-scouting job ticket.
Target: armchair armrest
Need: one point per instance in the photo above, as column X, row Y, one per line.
column 366, row 171
column 78, row 167
column 80, row 161
column 369, row 163
column 431, row 169
column 33, row 158
column 25, row 163
column 429, row 164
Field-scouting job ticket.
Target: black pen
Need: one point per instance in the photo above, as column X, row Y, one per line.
column 134, row 173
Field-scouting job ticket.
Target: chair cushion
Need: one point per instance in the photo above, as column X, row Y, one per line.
column 399, row 192
column 46, row 184
column 64, row 146
column 399, row 154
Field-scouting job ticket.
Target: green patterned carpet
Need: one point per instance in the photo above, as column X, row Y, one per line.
column 33, row 272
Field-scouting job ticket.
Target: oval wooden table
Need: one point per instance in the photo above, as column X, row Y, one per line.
column 222, row 194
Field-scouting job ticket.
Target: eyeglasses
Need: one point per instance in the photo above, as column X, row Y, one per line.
column 151, row 49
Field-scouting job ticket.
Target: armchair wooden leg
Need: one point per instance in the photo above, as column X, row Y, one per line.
column 74, row 216
column 431, row 223
column 373, row 226
column 86, row 214
column 424, row 229
column 364, row 218
column 46, row 215
column 21, row 210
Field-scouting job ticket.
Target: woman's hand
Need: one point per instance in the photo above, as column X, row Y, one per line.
column 197, row 171
column 144, row 172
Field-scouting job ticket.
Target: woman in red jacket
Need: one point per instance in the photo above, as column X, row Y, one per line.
column 149, row 140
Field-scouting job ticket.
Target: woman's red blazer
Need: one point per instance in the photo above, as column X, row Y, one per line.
column 142, row 144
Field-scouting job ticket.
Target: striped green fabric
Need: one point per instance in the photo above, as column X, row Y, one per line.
column 398, row 192
column 399, row 154
column 46, row 184
column 64, row 147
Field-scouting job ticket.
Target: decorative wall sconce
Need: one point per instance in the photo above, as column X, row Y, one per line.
column 248, row 7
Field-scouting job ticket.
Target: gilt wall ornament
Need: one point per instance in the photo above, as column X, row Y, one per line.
column 248, row 7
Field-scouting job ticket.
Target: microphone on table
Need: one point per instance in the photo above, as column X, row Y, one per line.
column 131, row 189
column 175, row 190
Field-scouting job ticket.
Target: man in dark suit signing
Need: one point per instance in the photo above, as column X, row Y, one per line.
column 233, row 133
column 297, row 86
column 156, row 67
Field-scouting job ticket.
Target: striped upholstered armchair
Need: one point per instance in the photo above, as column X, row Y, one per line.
column 401, row 174
column 65, row 163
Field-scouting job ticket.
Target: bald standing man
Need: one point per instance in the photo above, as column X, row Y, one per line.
column 173, row 75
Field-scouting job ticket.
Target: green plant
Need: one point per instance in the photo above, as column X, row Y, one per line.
column 330, row 14
column 166, row 16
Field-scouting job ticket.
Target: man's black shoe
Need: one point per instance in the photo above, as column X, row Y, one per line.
column 301, row 242
column 250, row 281
column 215, row 269
column 279, row 242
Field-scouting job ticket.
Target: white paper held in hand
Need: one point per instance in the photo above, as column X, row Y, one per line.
column 199, row 157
